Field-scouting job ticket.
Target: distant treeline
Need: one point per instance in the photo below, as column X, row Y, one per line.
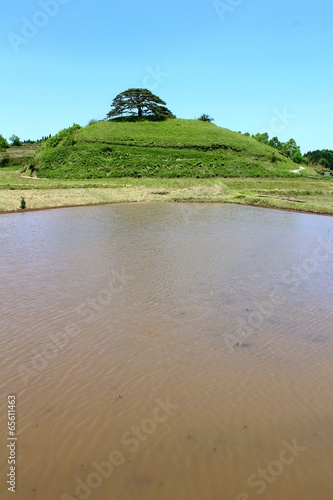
column 323, row 157
column 29, row 141
column 15, row 141
column 290, row 149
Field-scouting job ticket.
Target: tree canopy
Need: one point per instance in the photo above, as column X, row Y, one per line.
column 15, row 140
column 3, row 143
column 289, row 148
column 140, row 103
column 322, row 157
column 205, row 118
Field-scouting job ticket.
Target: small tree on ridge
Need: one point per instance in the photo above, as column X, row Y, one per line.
column 15, row 140
column 206, row 118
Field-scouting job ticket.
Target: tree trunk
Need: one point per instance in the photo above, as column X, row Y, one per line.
column 139, row 112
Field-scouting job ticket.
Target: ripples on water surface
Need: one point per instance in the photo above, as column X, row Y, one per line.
column 223, row 312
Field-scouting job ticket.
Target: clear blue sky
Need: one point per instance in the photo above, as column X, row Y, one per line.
column 253, row 65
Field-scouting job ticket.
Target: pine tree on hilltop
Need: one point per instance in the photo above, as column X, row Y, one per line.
column 140, row 103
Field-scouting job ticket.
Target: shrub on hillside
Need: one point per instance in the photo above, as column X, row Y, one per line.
column 65, row 137
column 206, row 118
column 4, row 160
column 3, row 143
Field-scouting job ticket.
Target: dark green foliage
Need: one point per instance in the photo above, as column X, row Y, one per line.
column 18, row 161
column 206, row 118
column 3, row 143
column 275, row 143
column 140, row 103
column 15, row 140
column 135, row 119
column 322, row 157
column 264, row 138
column 292, row 150
column 324, row 163
column 4, row 160
column 289, row 149
column 44, row 138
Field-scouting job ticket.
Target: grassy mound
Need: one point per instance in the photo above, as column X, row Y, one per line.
column 166, row 149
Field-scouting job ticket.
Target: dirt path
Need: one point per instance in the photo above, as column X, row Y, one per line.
column 298, row 170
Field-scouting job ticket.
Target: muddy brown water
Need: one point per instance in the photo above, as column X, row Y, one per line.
column 168, row 352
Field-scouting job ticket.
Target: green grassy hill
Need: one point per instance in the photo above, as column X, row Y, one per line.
column 166, row 149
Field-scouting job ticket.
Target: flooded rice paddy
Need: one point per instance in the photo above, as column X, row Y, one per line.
column 168, row 352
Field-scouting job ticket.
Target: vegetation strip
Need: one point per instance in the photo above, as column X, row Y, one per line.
column 54, row 193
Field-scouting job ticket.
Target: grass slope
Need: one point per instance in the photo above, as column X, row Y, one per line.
column 167, row 149
column 303, row 194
